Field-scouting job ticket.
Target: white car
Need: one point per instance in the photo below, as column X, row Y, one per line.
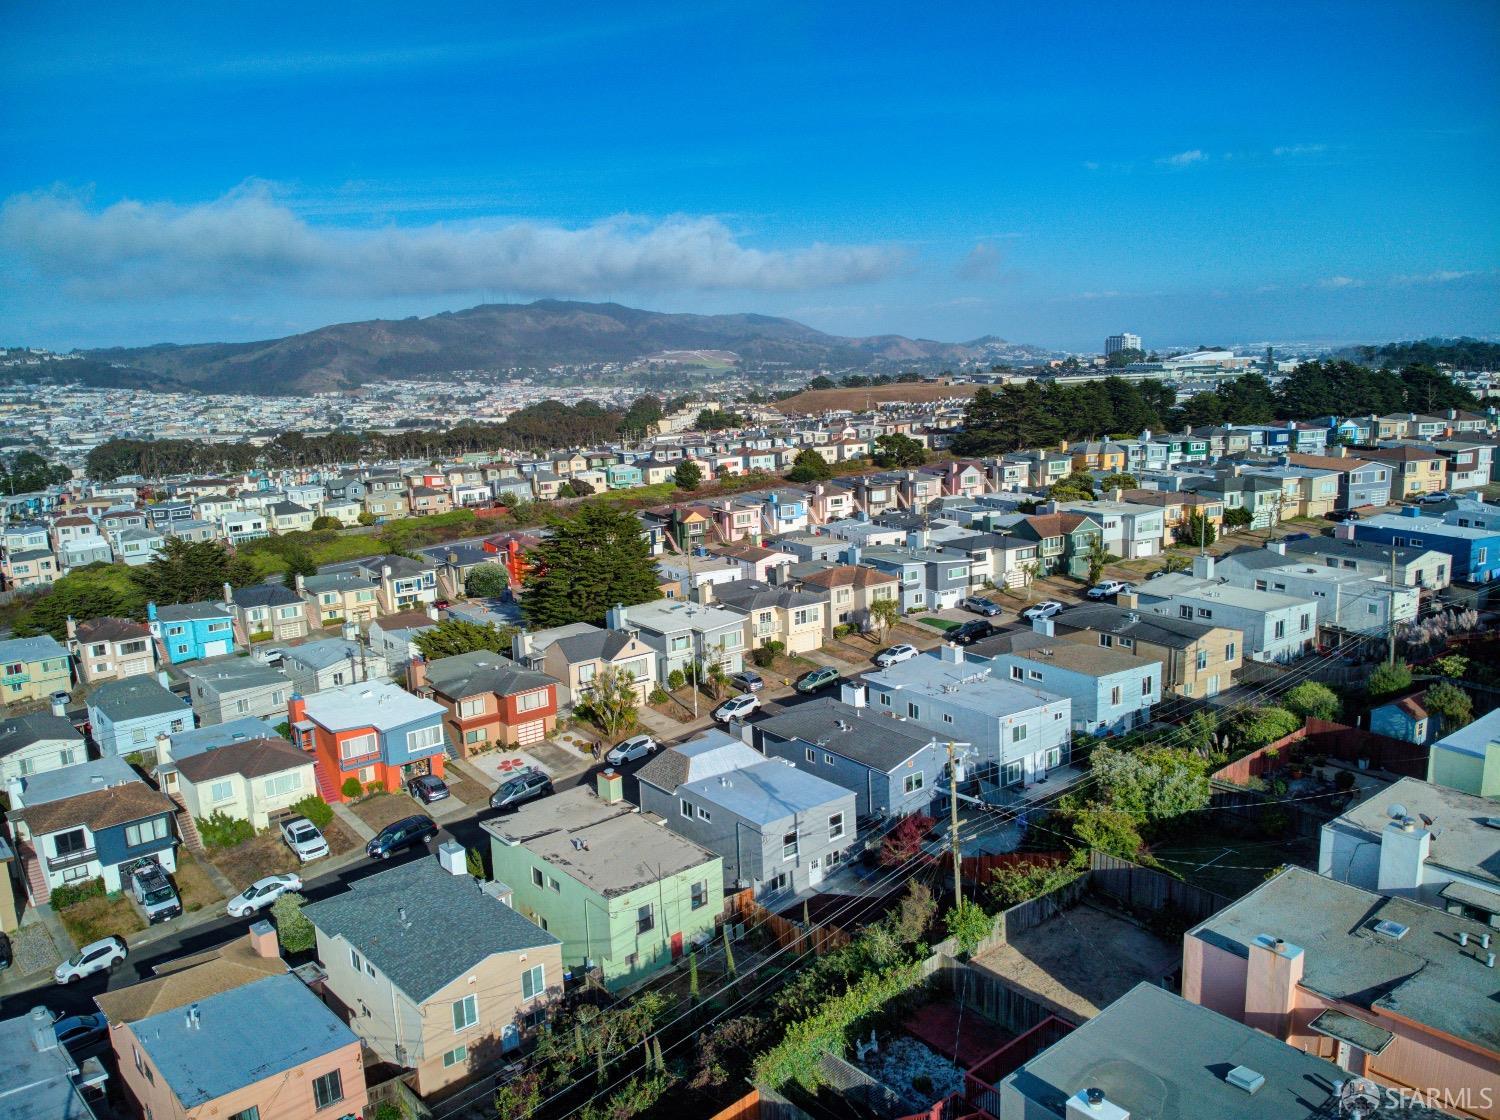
column 303, row 837
column 1107, row 589
column 895, row 655
column 1042, row 610
column 737, row 707
column 640, row 746
column 97, row 956
column 261, row 893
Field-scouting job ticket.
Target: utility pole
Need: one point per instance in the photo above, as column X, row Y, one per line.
column 1390, row 638
column 958, row 885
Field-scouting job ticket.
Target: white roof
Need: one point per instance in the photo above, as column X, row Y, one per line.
column 381, row 706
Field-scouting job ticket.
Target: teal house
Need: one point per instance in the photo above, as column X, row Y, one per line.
column 623, row 476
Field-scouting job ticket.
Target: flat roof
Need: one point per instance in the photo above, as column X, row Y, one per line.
column 767, row 792
column 1475, row 739
column 372, row 704
column 965, row 683
column 1462, row 842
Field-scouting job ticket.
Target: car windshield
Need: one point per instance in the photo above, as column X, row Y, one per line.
column 161, row 894
column 304, row 833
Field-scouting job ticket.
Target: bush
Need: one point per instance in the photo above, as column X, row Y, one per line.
column 1389, row 678
column 326, row 522
column 844, row 629
column 968, row 924
column 1343, row 780
column 1266, row 725
column 762, row 657
column 366, row 517
column 660, row 695
column 351, row 787
column 293, row 929
column 315, row 809
column 676, row 679
column 1311, row 700
column 74, row 893
column 220, row 830
column 474, row 861
column 260, row 636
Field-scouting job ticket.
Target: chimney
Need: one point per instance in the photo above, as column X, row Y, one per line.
column 1092, row 1104
column 416, row 673
column 228, row 592
column 163, row 747
column 1116, row 494
column 263, row 942
column 1403, row 854
column 1278, row 547
column 72, row 628
column 1203, row 567
column 610, row 786
column 43, row 1037
column 852, row 693
column 1043, row 626
column 520, row 648
column 296, row 709
column 60, row 704
column 1127, row 599
column 951, row 654
column 150, row 612
column 452, row 858
column 1271, row 978
column 300, row 583
column 616, row 617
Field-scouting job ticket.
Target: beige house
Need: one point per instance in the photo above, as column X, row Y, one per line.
column 250, row 781
column 1197, row 659
column 428, row 500
column 35, row 743
column 111, row 649
column 343, row 510
column 577, row 653
column 436, row 973
column 775, row 614
column 387, row 504
column 337, row 597
column 851, row 590
column 289, row 517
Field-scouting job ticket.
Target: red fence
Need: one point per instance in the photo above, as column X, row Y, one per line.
column 1336, row 741
column 981, row 870
column 980, row 1082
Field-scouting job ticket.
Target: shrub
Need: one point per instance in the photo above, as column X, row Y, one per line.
column 315, row 809
column 351, row 787
column 969, row 925
column 660, row 695
column 292, row 927
column 762, row 657
column 1389, row 678
column 220, row 830
column 1266, row 725
column 74, row 893
column 474, row 861
column 844, row 629
column 326, row 522
column 676, row 679
column 261, row 636
column 373, row 788
column 1311, row 700
column 1343, row 780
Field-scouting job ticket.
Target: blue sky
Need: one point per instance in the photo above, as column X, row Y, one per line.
column 1046, row 173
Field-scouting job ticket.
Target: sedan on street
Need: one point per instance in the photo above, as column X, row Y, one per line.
column 1045, row 609
column 895, row 655
column 641, row 746
column 261, row 893
column 96, row 956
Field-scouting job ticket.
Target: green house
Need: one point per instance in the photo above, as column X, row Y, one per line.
column 1469, row 759
column 626, row 896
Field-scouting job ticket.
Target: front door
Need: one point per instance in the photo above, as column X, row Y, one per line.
column 815, row 873
column 676, row 946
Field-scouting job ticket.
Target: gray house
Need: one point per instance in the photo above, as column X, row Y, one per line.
column 236, row 689
column 330, row 662
column 893, row 768
column 777, row 828
column 684, row 632
column 931, row 578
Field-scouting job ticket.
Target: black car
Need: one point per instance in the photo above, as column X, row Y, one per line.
column 1343, row 515
column 5, row 953
column 971, row 632
column 400, row 835
column 525, row 786
column 428, row 788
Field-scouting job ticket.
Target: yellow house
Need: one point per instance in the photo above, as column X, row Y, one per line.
column 1096, row 455
column 33, row 669
column 1418, row 471
column 775, row 614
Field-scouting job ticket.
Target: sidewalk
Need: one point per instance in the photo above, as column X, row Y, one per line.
column 350, row 818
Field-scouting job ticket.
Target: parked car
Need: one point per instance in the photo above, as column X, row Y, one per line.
column 747, row 681
column 1297, row 537
column 400, row 835
column 96, row 956
column 1107, row 589
column 1435, row 497
column 428, row 788
column 816, row 679
column 895, row 655
column 638, row 746
column 304, row 838
column 980, row 605
column 971, row 632
column 151, row 888
column 1343, row 515
column 6, row 956
column 1045, row 609
column 1158, row 573
column 80, row 1032
column 737, row 707
column 525, row 786
column 271, row 657
column 261, row 893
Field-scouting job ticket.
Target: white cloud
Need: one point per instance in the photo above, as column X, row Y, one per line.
column 981, row 263
column 1184, row 159
column 1441, row 276
column 1340, row 282
column 1299, row 149
column 246, row 242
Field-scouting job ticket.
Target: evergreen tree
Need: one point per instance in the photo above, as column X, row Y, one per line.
column 187, row 572
column 897, row 450
column 809, row 466
column 453, row 636
column 688, row 475
column 591, row 562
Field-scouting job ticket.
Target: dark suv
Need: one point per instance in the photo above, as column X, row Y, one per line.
column 400, row 835
column 971, row 632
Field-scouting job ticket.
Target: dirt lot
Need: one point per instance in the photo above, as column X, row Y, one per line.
column 267, row 855
column 1064, row 962
column 818, row 400
column 471, row 793
column 387, row 808
column 194, row 886
column 101, row 916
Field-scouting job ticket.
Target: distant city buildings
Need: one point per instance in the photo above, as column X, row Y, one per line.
column 1122, row 341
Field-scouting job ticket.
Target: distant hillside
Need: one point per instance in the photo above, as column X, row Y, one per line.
column 501, row 336
column 1461, row 353
column 820, row 400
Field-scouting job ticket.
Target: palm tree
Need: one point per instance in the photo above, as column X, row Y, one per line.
column 884, row 614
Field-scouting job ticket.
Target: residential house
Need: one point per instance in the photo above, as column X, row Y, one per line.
column 1408, row 719
column 107, row 649
column 1177, row 507
column 393, row 638
column 487, row 699
column 254, row 780
column 436, row 972
column 1111, row 690
column 192, row 631
column 33, row 669
column 126, row 716
column 237, row 688
column 1017, row 732
column 860, row 532
column 775, row 614
column 1417, row 470
column 73, row 533
column 994, row 557
column 682, row 633
column 827, row 503
column 574, row 655
column 1469, row 759
column 337, row 597
column 40, row 1079
column 1473, row 550
column 774, row 825
column 1305, row 491
column 874, row 494
column 290, row 517
column 191, row 531
column 1470, row 463
column 401, row 583
column 1129, row 531
column 1383, row 987
column 170, row 749
column 87, row 821
column 1276, row 626
column 850, row 590
column 26, row 565
column 1425, row 568
column 893, row 767
column 1063, row 541
column 757, row 562
column 267, row 612
column 373, row 733
column 1261, row 498
column 345, row 511
column 1347, row 600
column 429, row 501
column 1361, row 482
column 36, row 743
column 238, row 526
column 1197, row 659
column 330, row 663
column 687, row 527
column 694, row 572
column 931, row 578
column 385, row 498
column 626, row 896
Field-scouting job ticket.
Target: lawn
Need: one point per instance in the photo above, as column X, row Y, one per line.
column 101, row 916
column 943, row 624
column 265, row 854
column 194, row 886
column 386, row 808
column 646, row 495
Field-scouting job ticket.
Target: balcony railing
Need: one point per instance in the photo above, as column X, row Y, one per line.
column 71, row 859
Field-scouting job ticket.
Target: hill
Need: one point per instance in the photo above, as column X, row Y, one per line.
column 820, row 400
column 504, row 336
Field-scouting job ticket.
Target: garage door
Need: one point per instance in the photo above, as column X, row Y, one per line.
column 532, row 732
column 215, row 649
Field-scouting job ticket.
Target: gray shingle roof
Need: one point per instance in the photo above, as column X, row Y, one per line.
column 855, row 733
column 19, row 732
column 1161, row 630
column 451, row 925
column 266, row 595
column 468, row 674
column 134, row 698
column 41, row 648
column 187, row 612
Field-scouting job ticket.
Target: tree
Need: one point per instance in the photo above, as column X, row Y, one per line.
column 487, row 581
column 507, row 498
column 610, row 701
column 365, row 517
column 1123, row 480
column 688, row 475
column 582, row 489
column 1152, row 783
column 293, row 929
column 884, row 613
column 325, row 523
column 714, row 420
column 453, row 636
column 299, row 562
column 1124, row 357
column 1451, row 703
column 185, row 572
column 1266, row 725
column 1312, row 700
column 1111, row 831
column 821, row 382
column 896, row 450
column 809, row 466
column 566, row 490
column 641, row 416
column 592, row 561
column 1076, row 487
column 968, row 925
column 1237, row 517
column 89, row 592
column 904, row 840
column 1175, row 562
column 1196, row 530
column 1389, row 677
column 1098, row 557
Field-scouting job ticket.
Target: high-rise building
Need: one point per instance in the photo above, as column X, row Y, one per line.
column 1122, row 341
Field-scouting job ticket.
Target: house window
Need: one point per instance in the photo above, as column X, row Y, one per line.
column 468, row 708
column 1279, row 630
column 1018, row 733
column 1204, row 612
column 1016, row 673
column 1304, row 623
column 1034, row 674
column 1013, row 773
column 531, row 701
column 685, row 807
column 537, row 877
column 1106, row 640
column 836, row 826
column 220, row 791
column 703, row 814
column 699, row 895
column 146, row 832
column 776, row 883
column 357, row 746
column 454, row 1056
column 1229, row 652
column 554, row 884
column 251, row 1113
column 1145, row 686
column 1185, row 612
column 913, row 711
column 280, row 785
column 645, row 920
column 465, row 1013
column 329, row 1089
column 812, row 755
column 1114, row 695
column 789, row 845
column 533, row 982
column 424, row 738
column 914, row 782
column 355, row 961
column 1202, row 659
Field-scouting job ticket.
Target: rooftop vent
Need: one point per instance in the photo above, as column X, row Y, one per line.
column 1243, row 1077
column 1387, row 928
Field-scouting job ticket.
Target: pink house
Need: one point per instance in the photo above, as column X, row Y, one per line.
column 1385, row 988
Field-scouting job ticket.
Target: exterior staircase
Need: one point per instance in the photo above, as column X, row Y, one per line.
column 326, row 788
column 187, row 828
column 36, row 878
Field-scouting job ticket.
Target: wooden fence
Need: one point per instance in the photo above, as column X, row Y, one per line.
column 399, row 1096
column 1336, row 741
column 1032, row 913
column 746, row 1108
column 874, row 1098
column 981, row 870
column 1138, row 889
column 743, row 908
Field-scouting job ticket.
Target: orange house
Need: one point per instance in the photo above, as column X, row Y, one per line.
column 511, row 549
column 487, row 698
column 375, row 734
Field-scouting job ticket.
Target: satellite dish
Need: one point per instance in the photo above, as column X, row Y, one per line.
column 1396, row 812
column 1426, row 820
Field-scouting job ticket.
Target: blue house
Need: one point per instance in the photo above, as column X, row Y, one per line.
column 127, row 715
column 1406, row 719
column 622, row 476
column 92, row 820
column 192, row 631
column 1475, row 549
